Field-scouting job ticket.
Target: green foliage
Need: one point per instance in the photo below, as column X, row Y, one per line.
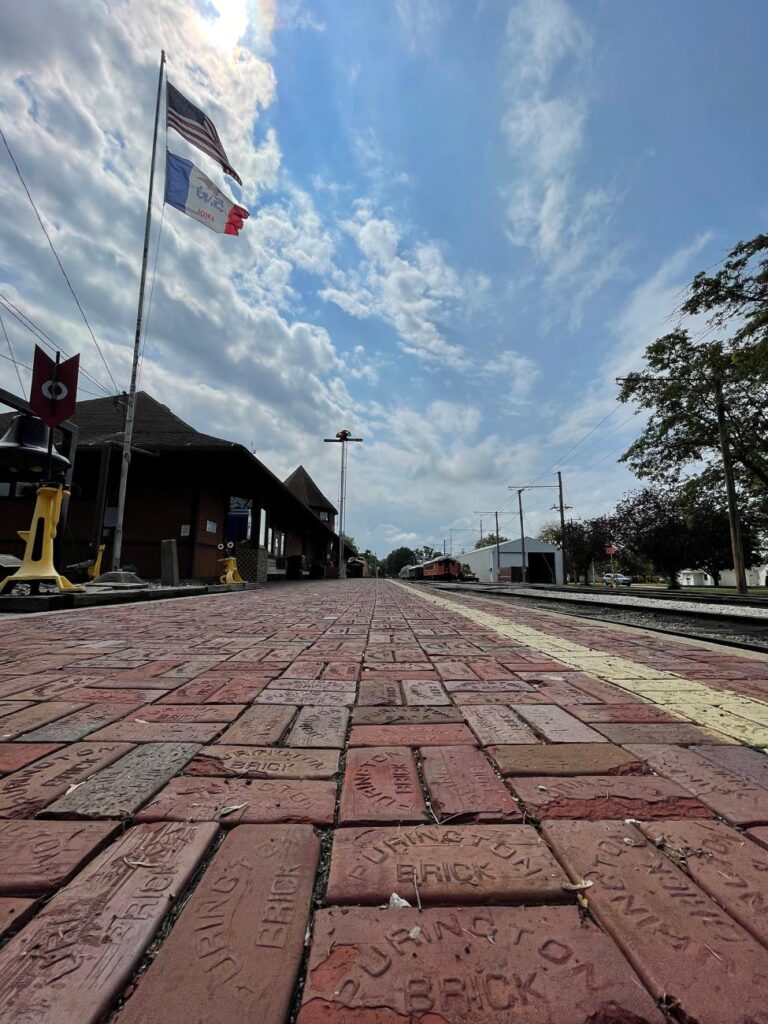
column 397, row 559
column 490, row 538
column 652, row 524
column 585, row 542
column 425, row 553
column 679, row 383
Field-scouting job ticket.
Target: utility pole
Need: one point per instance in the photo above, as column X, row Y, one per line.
column 498, row 550
column 562, row 525
column 343, row 437
column 495, row 513
column 737, row 549
column 481, row 531
column 522, row 536
column 730, row 492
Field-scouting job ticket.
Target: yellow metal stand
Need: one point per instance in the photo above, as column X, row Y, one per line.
column 94, row 569
column 230, row 574
column 37, row 565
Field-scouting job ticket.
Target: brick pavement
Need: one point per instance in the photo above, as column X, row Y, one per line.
column 207, row 806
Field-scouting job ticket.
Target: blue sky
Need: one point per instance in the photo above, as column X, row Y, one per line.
column 467, row 218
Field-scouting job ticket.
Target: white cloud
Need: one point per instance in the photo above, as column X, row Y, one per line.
column 421, row 21
column 563, row 224
column 415, row 291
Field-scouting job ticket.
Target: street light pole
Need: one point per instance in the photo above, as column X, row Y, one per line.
column 343, row 437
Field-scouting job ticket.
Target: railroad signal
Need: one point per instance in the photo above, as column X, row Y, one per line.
column 53, row 396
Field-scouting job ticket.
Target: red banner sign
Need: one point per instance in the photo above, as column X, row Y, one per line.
column 54, row 388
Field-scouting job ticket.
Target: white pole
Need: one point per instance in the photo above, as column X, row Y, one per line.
column 342, row 496
column 117, row 544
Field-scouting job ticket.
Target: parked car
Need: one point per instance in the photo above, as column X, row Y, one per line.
column 617, row 579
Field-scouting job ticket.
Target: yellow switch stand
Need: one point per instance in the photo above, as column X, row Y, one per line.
column 230, row 574
column 37, row 564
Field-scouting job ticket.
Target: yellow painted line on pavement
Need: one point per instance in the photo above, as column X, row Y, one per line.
column 724, row 711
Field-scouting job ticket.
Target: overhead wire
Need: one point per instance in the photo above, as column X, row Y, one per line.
column 26, row 366
column 45, row 339
column 13, row 357
column 58, row 260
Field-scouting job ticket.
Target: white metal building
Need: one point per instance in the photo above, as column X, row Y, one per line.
column 544, row 562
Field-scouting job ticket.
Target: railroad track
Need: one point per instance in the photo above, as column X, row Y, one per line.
column 728, row 629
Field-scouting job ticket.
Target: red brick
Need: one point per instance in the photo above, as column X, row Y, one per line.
column 16, row 755
column 425, row 692
column 14, row 912
column 159, row 732
column 8, row 707
column 507, row 697
column 750, row 764
column 37, row 857
column 121, row 788
column 81, row 724
column 759, row 835
column 260, row 726
column 254, row 802
column 319, row 727
column 217, row 689
column 187, row 713
column 380, row 691
column 629, row 713
column 539, row 965
column 565, row 759
column 311, row 686
column 405, row 716
column 265, row 762
column 29, row 789
column 463, row 786
column 723, row 862
column 449, row 865
column 683, row 733
column 381, row 784
column 509, row 685
column 731, row 796
column 236, row 949
column 328, row 698
column 409, row 735
column 78, row 953
column 556, row 725
column 684, row 947
column 497, row 724
column 593, row 797
column 102, row 694
column 598, row 689
column 33, row 717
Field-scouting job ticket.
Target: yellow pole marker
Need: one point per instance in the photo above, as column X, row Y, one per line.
column 691, row 699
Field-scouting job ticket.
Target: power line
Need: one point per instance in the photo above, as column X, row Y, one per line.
column 56, row 256
column 39, row 333
column 25, row 366
column 13, row 357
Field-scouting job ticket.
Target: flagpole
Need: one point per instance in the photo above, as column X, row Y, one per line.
column 131, row 406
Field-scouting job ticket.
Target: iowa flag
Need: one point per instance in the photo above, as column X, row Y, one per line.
column 189, row 190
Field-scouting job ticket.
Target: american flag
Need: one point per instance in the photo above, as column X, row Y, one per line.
column 196, row 127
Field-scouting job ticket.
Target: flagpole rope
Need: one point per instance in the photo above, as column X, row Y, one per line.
column 56, row 255
column 45, row 339
column 149, row 302
column 13, row 357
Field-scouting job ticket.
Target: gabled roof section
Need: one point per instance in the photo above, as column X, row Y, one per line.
column 155, row 426
column 304, row 487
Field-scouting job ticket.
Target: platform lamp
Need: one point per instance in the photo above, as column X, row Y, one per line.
column 343, row 437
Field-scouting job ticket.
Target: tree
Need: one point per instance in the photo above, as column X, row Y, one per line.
column 425, row 553
column 398, row 559
column 490, row 538
column 350, row 542
column 651, row 524
column 679, row 386
column 707, row 522
column 585, row 542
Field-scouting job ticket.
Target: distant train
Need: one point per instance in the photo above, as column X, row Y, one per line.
column 357, row 567
column 442, row 568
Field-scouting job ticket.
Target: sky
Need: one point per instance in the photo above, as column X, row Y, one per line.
column 467, row 218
